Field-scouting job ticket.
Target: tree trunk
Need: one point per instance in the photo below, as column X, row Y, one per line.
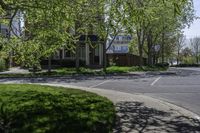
column 104, row 57
column 77, row 57
column 149, row 44
column 49, row 64
column 177, row 60
column 140, row 56
column 163, row 45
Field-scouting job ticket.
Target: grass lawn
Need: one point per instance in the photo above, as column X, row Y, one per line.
column 118, row 69
column 41, row 109
column 88, row 71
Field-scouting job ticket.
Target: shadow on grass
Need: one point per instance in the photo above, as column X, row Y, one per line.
column 135, row 117
column 32, row 111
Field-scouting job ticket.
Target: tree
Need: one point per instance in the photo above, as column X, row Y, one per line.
column 180, row 43
column 46, row 25
column 65, row 21
column 195, row 46
column 109, row 24
column 153, row 22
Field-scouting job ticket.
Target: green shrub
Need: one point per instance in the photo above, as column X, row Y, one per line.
column 2, row 65
column 41, row 109
column 187, row 65
column 165, row 64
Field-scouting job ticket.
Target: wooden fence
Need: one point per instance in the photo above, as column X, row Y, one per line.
column 124, row 59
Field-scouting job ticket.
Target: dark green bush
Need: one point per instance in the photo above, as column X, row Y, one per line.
column 62, row 63
column 187, row 65
column 165, row 64
column 44, row 109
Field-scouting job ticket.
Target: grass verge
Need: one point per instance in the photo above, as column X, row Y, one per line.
column 88, row 71
column 41, row 109
column 118, row 69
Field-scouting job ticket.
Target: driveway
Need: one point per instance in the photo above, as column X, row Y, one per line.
column 182, row 89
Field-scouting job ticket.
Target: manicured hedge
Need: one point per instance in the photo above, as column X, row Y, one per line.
column 44, row 109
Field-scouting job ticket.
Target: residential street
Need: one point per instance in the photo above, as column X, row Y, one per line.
column 182, row 89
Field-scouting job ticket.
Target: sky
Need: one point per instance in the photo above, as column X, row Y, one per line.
column 194, row 29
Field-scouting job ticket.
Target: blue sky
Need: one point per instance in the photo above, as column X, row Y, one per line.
column 194, row 29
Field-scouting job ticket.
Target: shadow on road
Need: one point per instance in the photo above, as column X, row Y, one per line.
column 135, row 117
column 73, row 79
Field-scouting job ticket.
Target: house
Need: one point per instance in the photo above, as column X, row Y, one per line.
column 16, row 26
column 120, row 44
column 90, row 53
column 118, row 52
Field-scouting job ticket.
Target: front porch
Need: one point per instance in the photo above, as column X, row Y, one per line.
column 89, row 56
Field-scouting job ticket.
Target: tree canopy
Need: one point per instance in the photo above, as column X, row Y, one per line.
column 53, row 24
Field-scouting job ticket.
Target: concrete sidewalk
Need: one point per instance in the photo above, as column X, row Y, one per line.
column 15, row 70
column 137, row 113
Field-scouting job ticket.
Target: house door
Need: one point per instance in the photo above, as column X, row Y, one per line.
column 94, row 55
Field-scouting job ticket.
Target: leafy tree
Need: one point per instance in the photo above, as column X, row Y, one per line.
column 195, row 46
column 153, row 22
column 180, row 43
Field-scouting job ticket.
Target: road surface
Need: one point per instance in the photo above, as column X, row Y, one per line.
column 182, row 89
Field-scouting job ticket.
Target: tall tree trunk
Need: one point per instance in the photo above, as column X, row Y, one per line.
column 104, row 57
column 140, row 46
column 163, row 43
column 49, row 64
column 149, row 44
column 178, row 56
column 77, row 57
column 140, row 56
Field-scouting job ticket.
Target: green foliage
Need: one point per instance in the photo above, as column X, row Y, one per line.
column 118, row 69
column 188, row 60
column 2, row 65
column 56, row 24
column 41, row 109
column 187, row 65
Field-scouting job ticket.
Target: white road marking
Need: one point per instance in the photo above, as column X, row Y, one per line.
column 99, row 84
column 198, row 118
column 155, row 81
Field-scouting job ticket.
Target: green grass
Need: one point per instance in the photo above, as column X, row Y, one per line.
column 88, row 71
column 41, row 109
column 118, row 69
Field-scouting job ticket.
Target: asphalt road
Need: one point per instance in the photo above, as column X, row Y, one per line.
column 182, row 89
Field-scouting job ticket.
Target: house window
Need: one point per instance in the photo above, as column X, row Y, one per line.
column 117, row 38
column 117, row 48
column 4, row 32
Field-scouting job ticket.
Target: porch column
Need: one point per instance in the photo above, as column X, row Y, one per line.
column 100, row 54
column 87, row 56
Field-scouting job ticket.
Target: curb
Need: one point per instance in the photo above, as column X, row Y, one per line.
column 117, row 96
